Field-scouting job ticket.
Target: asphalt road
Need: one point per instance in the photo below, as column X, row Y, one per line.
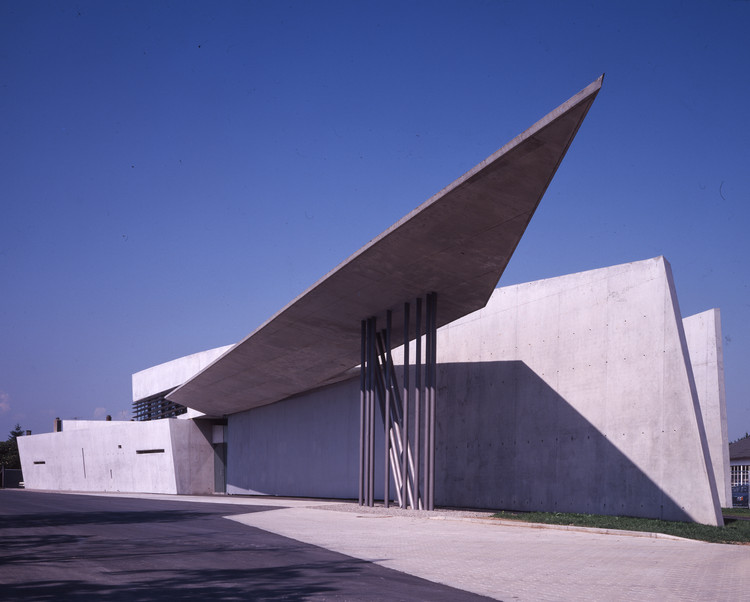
column 75, row 547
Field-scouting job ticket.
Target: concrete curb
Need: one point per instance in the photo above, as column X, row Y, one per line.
column 379, row 511
column 514, row 523
column 375, row 512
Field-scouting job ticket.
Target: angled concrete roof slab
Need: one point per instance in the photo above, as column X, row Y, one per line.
column 456, row 244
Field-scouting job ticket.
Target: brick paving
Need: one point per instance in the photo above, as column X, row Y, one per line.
column 517, row 562
column 508, row 561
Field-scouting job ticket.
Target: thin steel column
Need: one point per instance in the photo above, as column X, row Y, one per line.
column 427, row 419
column 396, row 417
column 379, row 385
column 433, row 394
column 417, row 395
column 387, row 416
column 362, row 389
column 368, row 388
column 405, row 415
column 371, row 442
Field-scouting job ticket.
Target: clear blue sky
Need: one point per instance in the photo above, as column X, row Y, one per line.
column 171, row 174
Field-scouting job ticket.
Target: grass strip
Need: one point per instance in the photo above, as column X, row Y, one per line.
column 735, row 530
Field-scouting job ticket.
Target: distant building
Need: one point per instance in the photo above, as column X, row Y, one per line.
column 739, row 459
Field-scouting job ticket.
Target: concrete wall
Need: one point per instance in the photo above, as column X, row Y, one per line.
column 168, row 375
column 306, row 446
column 193, row 455
column 102, row 456
column 703, row 335
column 569, row 394
column 575, row 394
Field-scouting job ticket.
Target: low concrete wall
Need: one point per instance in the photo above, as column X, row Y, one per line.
column 160, row 456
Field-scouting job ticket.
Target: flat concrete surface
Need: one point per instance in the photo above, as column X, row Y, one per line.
column 179, row 549
column 517, row 562
column 456, row 244
column 74, row 547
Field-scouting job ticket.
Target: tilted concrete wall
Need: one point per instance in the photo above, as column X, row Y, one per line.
column 102, row 456
column 193, row 455
column 575, row 394
column 703, row 335
column 569, row 394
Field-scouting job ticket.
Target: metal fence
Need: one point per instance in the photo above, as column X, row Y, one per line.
column 10, row 478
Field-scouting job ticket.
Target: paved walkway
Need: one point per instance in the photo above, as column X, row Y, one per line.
column 506, row 561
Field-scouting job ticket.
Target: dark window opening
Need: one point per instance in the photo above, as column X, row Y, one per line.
column 156, row 407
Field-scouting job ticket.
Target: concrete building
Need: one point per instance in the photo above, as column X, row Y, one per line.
column 184, row 454
column 579, row 393
column 576, row 393
column 571, row 394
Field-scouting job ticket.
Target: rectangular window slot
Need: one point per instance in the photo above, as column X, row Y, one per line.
column 39, row 462
column 149, row 451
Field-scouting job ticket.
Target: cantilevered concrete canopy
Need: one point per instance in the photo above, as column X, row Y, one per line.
column 456, row 244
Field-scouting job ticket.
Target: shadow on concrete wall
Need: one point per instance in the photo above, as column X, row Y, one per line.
column 507, row 440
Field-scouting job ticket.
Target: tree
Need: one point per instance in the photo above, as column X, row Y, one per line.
column 9, row 456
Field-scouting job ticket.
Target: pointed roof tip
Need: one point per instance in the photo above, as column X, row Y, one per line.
column 484, row 212
column 593, row 87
